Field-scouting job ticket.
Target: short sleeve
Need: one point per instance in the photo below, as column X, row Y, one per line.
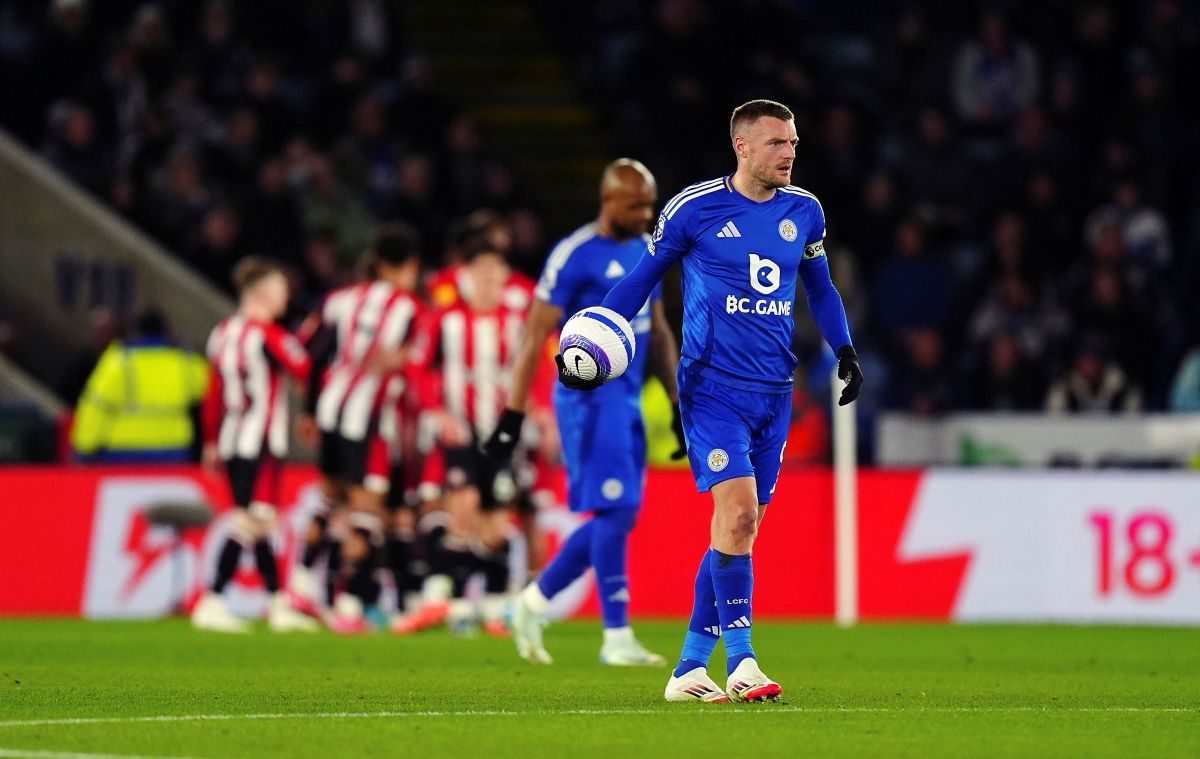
column 657, row 293
column 671, row 239
column 560, row 280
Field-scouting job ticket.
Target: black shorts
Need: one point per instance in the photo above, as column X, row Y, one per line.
column 497, row 484
column 254, row 480
column 357, row 462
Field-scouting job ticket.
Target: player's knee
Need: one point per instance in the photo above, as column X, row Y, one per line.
column 617, row 520
column 739, row 523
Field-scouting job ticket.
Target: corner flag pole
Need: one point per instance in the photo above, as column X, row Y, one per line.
column 845, row 507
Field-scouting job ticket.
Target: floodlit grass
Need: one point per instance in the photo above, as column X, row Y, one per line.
column 161, row 689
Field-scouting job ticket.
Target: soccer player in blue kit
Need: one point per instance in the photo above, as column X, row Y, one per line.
column 603, row 440
column 743, row 240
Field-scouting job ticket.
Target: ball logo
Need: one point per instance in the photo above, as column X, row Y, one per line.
column 764, row 274
column 718, row 459
column 787, row 230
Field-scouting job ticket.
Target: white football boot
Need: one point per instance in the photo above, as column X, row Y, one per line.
column 212, row 613
column 695, row 685
column 528, row 619
column 621, row 649
column 283, row 617
column 302, row 591
column 748, row 683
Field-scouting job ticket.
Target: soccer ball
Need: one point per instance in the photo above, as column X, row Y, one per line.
column 597, row 343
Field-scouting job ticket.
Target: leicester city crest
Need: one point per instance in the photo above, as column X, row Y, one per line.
column 718, row 459
column 787, row 230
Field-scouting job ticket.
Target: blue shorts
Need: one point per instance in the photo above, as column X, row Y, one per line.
column 604, row 448
column 734, row 433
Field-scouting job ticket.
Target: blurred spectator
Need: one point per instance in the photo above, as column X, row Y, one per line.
column 367, row 158
column 1147, row 236
column 1003, row 379
column 995, row 77
column 219, row 246
column 74, row 149
column 421, row 113
column 912, row 288
column 103, row 328
column 1011, row 305
column 274, row 227
column 180, row 201
column 329, row 204
column 141, row 402
column 232, row 152
column 416, row 202
column 323, row 270
column 1093, row 384
column 872, row 237
column 922, row 384
column 937, row 178
column 1185, row 389
column 220, row 58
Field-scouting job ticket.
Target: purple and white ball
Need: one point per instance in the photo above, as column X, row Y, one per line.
column 597, row 342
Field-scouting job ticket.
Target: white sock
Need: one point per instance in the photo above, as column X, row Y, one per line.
column 617, row 635
column 535, row 599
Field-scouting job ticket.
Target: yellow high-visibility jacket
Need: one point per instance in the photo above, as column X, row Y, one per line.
column 137, row 404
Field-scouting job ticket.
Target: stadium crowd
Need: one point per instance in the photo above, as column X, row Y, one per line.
column 1011, row 187
column 1012, row 196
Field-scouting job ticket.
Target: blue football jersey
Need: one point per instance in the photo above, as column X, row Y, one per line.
column 740, row 261
column 579, row 272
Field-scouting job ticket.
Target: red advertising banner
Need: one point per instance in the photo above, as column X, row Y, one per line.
column 943, row 544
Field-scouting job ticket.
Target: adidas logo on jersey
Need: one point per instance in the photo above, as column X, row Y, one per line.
column 729, row 230
column 739, row 622
column 614, row 270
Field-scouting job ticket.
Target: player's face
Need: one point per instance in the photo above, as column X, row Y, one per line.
column 770, row 147
column 489, row 273
column 273, row 295
column 631, row 209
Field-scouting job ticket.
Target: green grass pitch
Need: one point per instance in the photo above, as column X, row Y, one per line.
column 159, row 689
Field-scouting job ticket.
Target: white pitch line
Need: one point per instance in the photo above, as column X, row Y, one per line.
column 21, row 753
column 764, row 709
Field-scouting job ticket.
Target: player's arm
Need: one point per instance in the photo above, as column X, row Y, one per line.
column 829, row 312
column 543, row 318
column 629, row 295
column 664, row 360
column 212, row 411
column 287, row 351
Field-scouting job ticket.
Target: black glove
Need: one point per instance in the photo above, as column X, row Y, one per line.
column 573, row 382
column 499, row 447
column 851, row 372
column 677, row 428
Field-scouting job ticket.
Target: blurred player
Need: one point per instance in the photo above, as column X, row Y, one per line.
column 370, row 324
column 469, row 349
column 742, row 240
column 246, row 429
column 604, row 443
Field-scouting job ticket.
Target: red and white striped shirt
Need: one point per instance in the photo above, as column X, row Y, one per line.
column 245, row 410
column 468, row 357
column 369, row 318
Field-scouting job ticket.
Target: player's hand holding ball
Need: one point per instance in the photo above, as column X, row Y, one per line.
column 596, row 345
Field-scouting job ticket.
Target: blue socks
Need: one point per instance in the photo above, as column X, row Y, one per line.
column 704, row 628
column 601, row 543
column 724, row 587
column 733, row 583
column 572, row 559
column 610, row 540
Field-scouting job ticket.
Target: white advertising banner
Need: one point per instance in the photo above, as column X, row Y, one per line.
column 1064, row 546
